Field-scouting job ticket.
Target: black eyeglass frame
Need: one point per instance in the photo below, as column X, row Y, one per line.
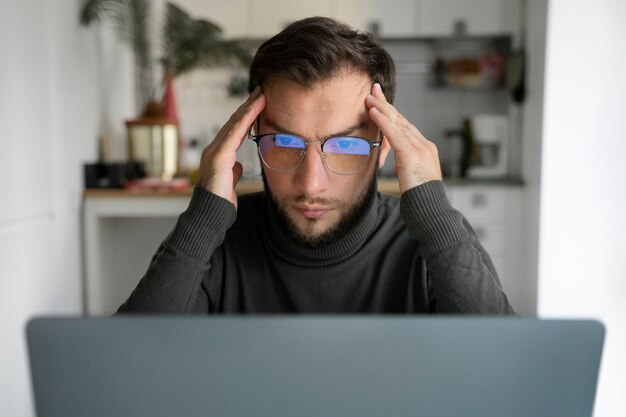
column 373, row 144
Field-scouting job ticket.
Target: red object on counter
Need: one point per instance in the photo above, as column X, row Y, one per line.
column 157, row 184
column 169, row 98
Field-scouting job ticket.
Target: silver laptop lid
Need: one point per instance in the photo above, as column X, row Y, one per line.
column 301, row 366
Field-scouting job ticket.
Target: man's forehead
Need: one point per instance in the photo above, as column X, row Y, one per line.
column 346, row 89
column 334, row 103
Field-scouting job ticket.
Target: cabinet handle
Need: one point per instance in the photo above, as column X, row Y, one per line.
column 479, row 200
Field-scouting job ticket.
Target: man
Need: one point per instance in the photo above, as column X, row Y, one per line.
column 320, row 239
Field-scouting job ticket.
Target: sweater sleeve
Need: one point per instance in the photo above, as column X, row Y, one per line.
column 172, row 283
column 461, row 274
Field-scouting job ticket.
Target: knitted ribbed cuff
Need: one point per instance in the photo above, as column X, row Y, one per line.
column 201, row 228
column 430, row 218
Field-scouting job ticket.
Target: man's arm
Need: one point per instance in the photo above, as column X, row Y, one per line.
column 461, row 273
column 172, row 283
column 462, row 276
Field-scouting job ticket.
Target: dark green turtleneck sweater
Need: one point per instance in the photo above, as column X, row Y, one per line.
column 409, row 254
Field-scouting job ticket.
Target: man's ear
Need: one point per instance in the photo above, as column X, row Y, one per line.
column 384, row 151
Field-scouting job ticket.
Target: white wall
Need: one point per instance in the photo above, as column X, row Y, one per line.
column 535, row 48
column 582, row 253
column 50, row 116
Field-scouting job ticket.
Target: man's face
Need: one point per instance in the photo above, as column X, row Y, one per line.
column 315, row 201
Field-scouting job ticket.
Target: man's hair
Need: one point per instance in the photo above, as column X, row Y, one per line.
column 317, row 49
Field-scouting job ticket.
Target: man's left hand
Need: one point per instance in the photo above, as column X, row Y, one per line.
column 417, row 159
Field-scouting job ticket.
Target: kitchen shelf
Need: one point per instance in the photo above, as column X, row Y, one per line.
column 387, row 185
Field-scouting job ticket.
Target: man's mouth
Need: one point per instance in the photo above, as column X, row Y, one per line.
column 312, row 212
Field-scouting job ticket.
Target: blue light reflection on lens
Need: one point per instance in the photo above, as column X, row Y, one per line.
column 288, row 141
column 347, row 145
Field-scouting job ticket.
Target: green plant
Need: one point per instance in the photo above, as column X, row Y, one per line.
column 196, row 43
column 187, row 43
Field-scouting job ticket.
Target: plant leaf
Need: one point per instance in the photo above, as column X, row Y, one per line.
column 190, row 43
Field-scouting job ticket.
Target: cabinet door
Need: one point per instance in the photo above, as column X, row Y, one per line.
column 496, row 204
column 481, row 17
column 394, row 18
column 268, row 17
column 494, row 212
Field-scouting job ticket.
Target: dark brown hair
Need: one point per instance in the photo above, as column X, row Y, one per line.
column 317, row 49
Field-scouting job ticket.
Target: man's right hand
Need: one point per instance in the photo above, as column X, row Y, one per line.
column 219, row 170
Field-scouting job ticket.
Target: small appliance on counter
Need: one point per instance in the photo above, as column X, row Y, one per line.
column 112, row 174
column 490, row 143
column 456, row 162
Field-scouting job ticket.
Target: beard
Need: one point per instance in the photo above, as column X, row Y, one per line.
column 352, row 215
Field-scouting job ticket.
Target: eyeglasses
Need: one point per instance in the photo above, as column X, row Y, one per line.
column 343, row 155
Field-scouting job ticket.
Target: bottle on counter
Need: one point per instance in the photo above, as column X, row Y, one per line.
column 190, row 159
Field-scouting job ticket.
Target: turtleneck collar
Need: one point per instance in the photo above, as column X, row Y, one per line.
column 294, row 252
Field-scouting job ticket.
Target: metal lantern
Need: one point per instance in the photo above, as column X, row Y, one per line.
column 153, row 141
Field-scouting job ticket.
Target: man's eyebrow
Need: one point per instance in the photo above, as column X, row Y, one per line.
column 346, row 132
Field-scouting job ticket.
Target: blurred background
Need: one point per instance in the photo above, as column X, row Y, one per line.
column 105, row 107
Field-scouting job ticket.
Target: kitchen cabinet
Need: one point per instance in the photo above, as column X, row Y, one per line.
column 260, row 19
column 394, row 19
column 481, row 17
column 268, row 17
column 429, row 18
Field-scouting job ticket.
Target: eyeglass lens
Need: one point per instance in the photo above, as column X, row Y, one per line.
column 343, row 155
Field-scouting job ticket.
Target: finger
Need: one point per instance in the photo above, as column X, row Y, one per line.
column 390, row 130
column 239, row 126
column 384, row 107
column 252, row 96
column 396, row 137
column 402, row 121
column 236, row 115
column 227, row 128
column 398, row 119
column 377, row 91
column 245, row 106
column 401, row 139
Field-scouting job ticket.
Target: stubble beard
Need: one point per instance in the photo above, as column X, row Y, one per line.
column 346, row 223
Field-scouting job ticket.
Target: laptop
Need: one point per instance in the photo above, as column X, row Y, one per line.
column 301, row 366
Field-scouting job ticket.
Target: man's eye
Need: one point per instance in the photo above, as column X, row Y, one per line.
column 284, row 141
column 288, row 141
column 345, row 144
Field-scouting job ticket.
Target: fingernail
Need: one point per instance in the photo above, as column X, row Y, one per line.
column 379, row 88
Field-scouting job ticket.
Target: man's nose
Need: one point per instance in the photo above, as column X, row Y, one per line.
column 312, row 177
